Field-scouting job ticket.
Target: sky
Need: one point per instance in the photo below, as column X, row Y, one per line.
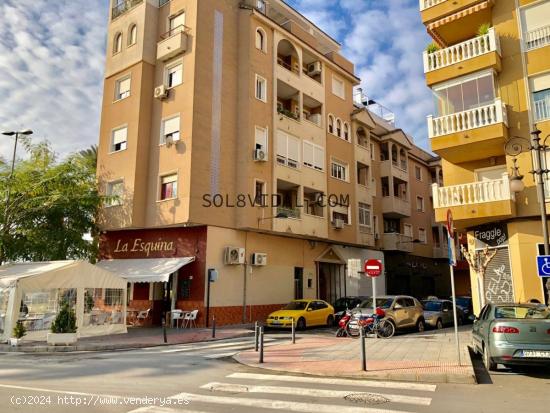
column 52, row 56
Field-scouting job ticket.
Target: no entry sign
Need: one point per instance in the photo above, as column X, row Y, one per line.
column 373, row 268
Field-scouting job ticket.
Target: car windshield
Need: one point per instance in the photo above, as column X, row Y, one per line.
column 432, row 305
column 520, row 312
column 296, row 305
column 463, row 302
column 342, row 302
column 380, row 302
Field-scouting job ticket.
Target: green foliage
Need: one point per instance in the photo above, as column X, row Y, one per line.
column 483, row 29
column 88, row 302
column 19, row 331
column 432, row 48
column 65, row 322
column 53, row 204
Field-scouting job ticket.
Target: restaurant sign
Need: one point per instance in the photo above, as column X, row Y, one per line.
column 138, row 245
column 493, row 235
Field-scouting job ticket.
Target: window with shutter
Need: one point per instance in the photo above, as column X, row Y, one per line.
column 122, row 88
column 293, row 152
column 174, row 75
column 171, row 129
column 319, row 158
column 261, row 139
column 288, row 150
column 177, row 23
column 309, row 158
column 119, row 139
column 168, row 187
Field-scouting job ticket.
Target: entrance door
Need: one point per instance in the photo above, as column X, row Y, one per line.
column 298, row 283
column 332, row 282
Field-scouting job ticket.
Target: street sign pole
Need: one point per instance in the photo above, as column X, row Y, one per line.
column 454, row 313
column 452, row 263
column 373, row 269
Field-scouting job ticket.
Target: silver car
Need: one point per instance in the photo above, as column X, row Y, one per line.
column 439, row 313
column 512, row 334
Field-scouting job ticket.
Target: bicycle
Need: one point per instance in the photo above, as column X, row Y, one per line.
column 373, row 324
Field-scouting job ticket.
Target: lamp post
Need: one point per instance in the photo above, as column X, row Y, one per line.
column 517, row 145
column 17, row 135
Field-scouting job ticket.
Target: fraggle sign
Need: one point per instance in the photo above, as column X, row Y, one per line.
column 491, row 235
column 140, row 246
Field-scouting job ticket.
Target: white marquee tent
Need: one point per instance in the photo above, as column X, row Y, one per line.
column 32, row 293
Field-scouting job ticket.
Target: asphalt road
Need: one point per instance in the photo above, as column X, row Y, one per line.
column 203, row 378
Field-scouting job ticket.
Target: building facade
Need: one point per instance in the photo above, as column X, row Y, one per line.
column 489, row 70
column 230, row 135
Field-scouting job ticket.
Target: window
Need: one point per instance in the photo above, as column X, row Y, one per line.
column 132, row 35
column 341, row 212
column 540, row 87
column 288, row 150
column 122, row 88
column 536, row 25
column 338, row 87
column 174, row 74
column 422, row 235
column 408, row 230
column 362, row 174
column 419, row 204
column 170, row 130
column 114, row 192
column 331, row 124
column 339, row 170
column 418, row 172
column 117, row 43
column 261, row 39
column 113, row 296
column 259, row 193
column 168, row 187
column 362, row 138
column 261, row 88
column 338, row 128
column 314, row 156
column 346, row 131
column 261, row 139
column 364, row 215
column 176, row 23
column 119, row 139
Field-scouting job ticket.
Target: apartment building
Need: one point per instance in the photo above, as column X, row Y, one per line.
column 239, row 169
column 489, row 70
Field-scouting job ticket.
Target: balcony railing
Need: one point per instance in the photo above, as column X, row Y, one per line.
column 123, row 6
column 462, row 51
column 397, row 242
column 469, row 119
column 441, row 252
column 426, row 4
column 294, row 213
column 473, row 193
column 542, row 109
column 537, row 38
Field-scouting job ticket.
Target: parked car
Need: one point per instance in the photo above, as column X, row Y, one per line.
column 346, row 303
column 401, row 310
column 467, row 306
column 512, row 334
column 439, row 313
column 306, row 313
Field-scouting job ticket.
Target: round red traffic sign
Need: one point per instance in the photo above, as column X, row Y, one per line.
column 450, row 224
column 373, row 268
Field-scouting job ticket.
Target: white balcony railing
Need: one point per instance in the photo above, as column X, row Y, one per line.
column 426, row 4
column 460, row 52
column 469, row 119
column 537, row 38
column 542, row 109
column 473, row 193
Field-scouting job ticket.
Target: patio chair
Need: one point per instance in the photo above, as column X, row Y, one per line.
column 190, row 318
column 177, row 316
column 142, row 316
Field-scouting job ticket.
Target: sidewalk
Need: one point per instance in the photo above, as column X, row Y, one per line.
column 135, row 338
column 427, row 357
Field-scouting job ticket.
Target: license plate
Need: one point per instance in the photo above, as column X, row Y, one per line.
column 536, row 354
column 276, row 323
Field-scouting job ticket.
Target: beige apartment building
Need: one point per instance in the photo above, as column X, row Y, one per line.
column 241, row 171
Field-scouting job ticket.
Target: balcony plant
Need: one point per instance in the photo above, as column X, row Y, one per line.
column 63, row 330
column 287, row 113
column 432, row 48
column 483, row 30
column 19, row 331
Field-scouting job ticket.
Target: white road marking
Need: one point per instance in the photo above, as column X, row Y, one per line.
column 334, row 381
column 74, row 393
column 281, row 404
column 297, row 391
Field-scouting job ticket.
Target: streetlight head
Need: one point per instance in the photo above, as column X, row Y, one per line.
column 8, row 133
column 26, row 132
column 516, row 184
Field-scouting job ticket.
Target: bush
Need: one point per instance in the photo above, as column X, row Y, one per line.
column 432, row 48
column 19, row 331
column 483, row 29
column 65, row 322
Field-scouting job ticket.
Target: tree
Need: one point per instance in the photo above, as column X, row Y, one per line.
column 53, row 204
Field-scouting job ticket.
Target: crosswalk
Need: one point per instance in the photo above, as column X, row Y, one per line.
column 304, row 394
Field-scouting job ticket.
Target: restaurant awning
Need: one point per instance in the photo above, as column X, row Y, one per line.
column 145, row 270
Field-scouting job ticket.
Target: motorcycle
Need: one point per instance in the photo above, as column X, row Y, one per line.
column 343, row 324
column 370, row 323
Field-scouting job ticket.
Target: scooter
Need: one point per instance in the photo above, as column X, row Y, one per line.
column 343, row 324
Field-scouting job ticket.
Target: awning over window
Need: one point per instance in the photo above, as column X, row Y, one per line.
column 145, row 270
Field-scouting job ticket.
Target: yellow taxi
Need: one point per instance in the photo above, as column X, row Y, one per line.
column 306, row 313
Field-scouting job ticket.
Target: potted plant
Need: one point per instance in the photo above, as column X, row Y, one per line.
column 432, row 48
column 482, row 31
column 19, row 331
column 64, row 327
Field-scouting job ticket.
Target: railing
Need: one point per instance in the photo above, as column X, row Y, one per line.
column 284, row 64
column 469, row 119
column 542, row 109
column 399, row 242
column 537, row 38
column 289, row 212
column 123, row 6
column 473, row 193
column 462, row 51
column 426, row 4
column 381, row 111
column 178, row 29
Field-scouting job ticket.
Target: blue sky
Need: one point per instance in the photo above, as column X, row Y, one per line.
column 52, row 63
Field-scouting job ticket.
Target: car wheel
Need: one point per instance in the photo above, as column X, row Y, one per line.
column 420, row 326
column 488, row 361
column 301, row 324
column 439, row 324
column 330, row 321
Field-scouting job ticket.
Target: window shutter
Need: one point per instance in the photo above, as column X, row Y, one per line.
column 319, row 158
column 293, row 149
column 120, row 136
column 175, row 75
column 261, row 138
column 177, row 21
column 124, row 86
column 169, row 179
column 541, row 83
column 308, row 154
column 281, row 144
column 171, row 126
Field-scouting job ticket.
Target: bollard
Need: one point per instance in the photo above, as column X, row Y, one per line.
column 214, row 327
column 261, row 345
column 164, row 329
column 363, row 352
column 293, row 332
column 256, row 335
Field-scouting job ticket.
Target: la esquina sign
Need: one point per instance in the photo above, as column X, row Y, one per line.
column 138, row 245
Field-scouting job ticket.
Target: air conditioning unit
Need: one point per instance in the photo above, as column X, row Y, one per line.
column 161, row 92
column 260, row 155
column 234, row 256
column 259, row 259
column 338, row 224
column 314, row 69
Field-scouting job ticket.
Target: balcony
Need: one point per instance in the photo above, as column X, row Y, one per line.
column 475, row 203
column 395, row 207
column 397, row 242
column 123, row 6
column 537, row 38
column 173, row 43
column 395, row 169
column 457, row 137
column 426, row 4
column 440, row 252
column 481, row 52
column 292, row 213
